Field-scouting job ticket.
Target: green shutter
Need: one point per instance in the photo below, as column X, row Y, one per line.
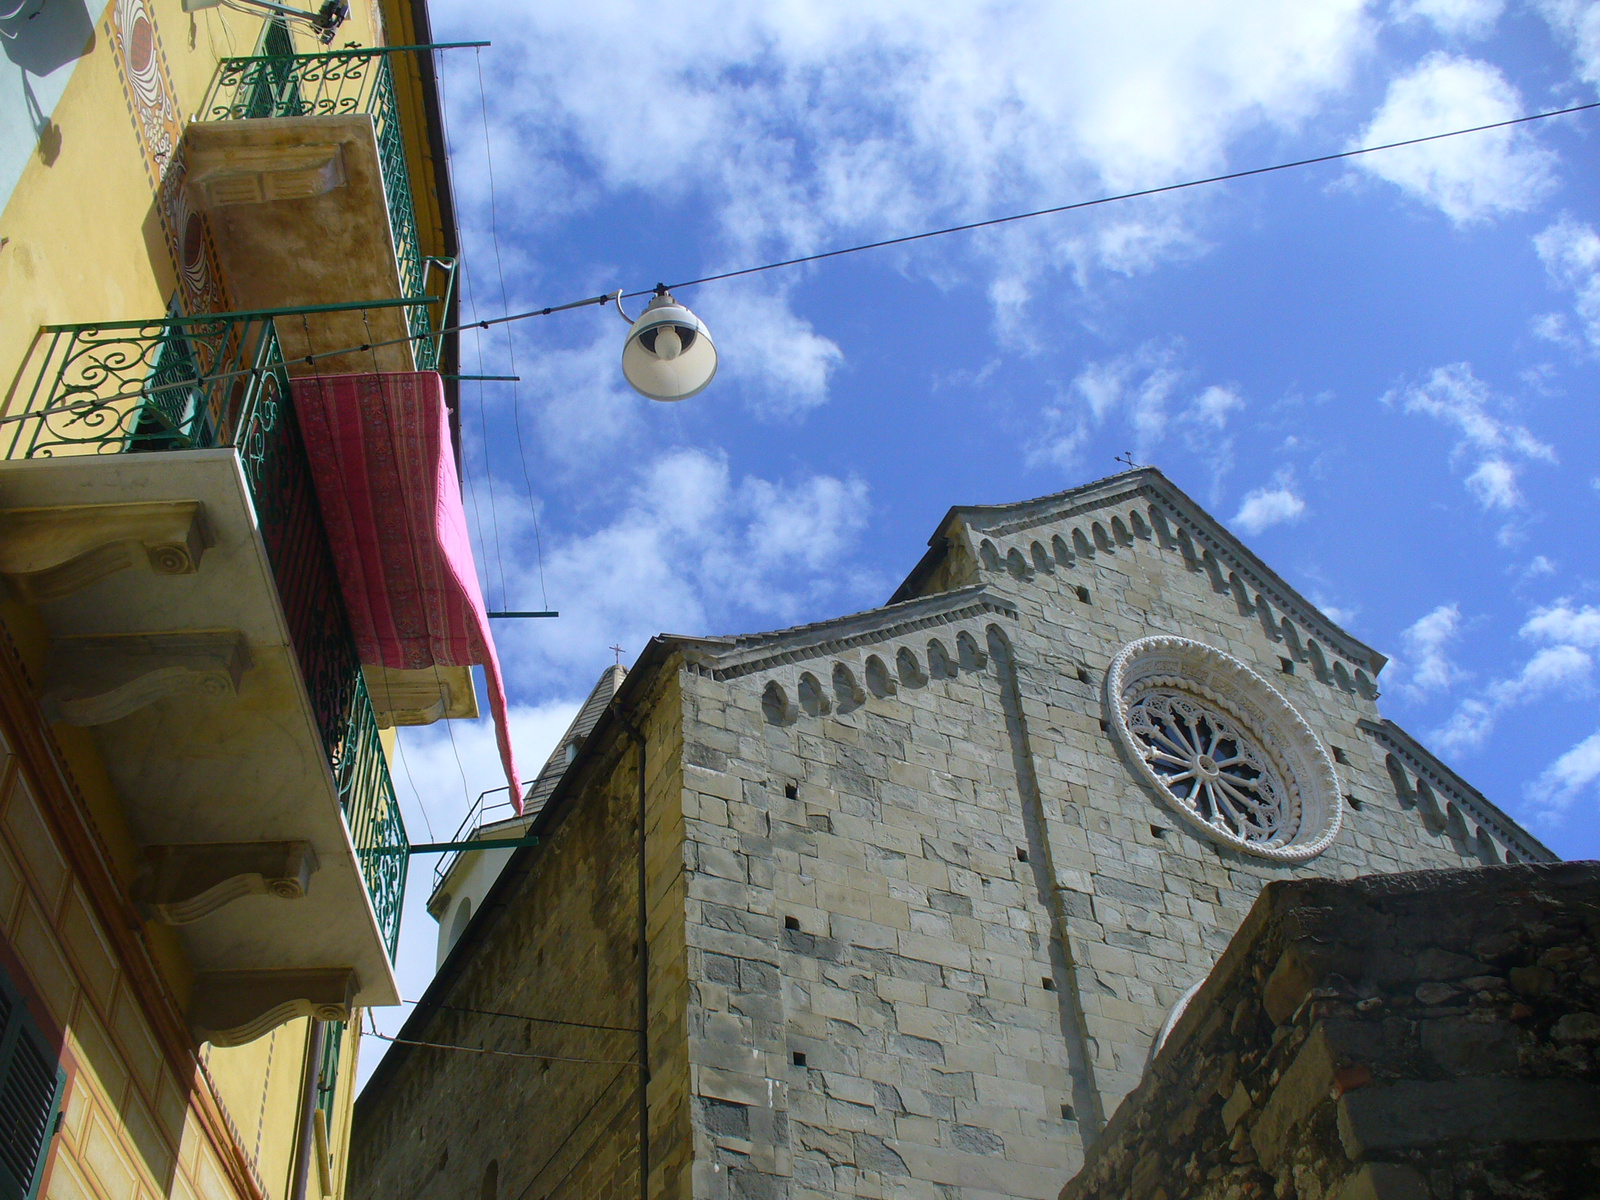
column 31, row 1082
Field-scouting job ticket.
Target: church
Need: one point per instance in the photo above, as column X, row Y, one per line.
column 903, row 903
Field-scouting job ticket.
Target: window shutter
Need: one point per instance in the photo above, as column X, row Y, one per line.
column 31, row 1081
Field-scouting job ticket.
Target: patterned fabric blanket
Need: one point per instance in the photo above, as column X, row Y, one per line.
column 386, row 480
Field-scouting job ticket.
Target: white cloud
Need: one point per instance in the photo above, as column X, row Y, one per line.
column 761, row 341
column 1565, row 779
column 792, row 127
column 1454, row 18
column 1562, row 623
column 690, row 549
column 1577, row 22
column 1266, row 507
column 1428, row 667
column 1468, row 178
column 1555, row 668
column 1570, row 251
column 1144, row 393
column 1494, row 483
column 1212, row 406
column 1455, row 396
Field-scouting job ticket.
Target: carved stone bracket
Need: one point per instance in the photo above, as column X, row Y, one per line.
column 48, row 553
column 220, row 176
column 420, row 697
column 230, row 1008
column 180, row 884
column 93, row 680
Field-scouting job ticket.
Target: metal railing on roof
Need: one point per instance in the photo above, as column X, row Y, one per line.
column 479, row 817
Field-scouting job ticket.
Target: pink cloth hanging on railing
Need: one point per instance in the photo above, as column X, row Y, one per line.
column 385, row 473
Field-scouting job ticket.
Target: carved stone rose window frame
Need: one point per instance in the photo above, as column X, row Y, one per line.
column 1223, row 749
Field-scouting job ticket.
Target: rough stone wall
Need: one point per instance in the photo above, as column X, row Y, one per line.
column 1413, row 1037
column 554, row 1111
column 969, row 915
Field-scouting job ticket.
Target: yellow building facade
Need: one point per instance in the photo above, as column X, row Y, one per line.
column 201, row 856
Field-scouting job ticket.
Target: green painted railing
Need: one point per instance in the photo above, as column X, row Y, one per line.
column 373, row 813
column 328, row 1076
column 188, row 383
column 338, row 83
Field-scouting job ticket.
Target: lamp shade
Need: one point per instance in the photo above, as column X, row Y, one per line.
column 669, row 354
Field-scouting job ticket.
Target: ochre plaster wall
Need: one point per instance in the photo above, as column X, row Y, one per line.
column 84, row 242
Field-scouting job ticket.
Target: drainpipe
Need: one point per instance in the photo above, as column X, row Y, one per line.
column 308, row 1112
column 644, row 979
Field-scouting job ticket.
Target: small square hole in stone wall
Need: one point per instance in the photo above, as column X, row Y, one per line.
column 1286, row 665
column 1083, row 674
column 1339, row 756
column 791, row 923
column 1157, row 831
column 1022, row 855
column 1083, row 593
column 1048, row 984
column 1104, row 727
column 798, row 1058
column 1066, row 1113
column 1351, row 800
column 791, row 791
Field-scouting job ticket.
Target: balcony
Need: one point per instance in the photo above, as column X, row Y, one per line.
column 300, row 162
column 158, row 510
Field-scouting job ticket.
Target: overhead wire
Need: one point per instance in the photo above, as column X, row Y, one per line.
column 416, row 572
column 611, row 297
column 490, row 1012
column 579, row 1124
column 483, row 422
column 305, row 324
column 600, row 1062
column 511, row 341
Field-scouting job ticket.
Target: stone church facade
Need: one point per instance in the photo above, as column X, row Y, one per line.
column 922, row 885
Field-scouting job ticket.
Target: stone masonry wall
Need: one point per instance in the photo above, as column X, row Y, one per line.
column 951, row 894
column 1415, row 1037
column 549, row 985
column 1147, row 905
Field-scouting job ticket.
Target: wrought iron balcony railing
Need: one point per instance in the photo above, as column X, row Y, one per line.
column 338, row 83
column 187, row 383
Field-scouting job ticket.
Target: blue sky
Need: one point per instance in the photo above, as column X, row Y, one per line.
column 1381, row 374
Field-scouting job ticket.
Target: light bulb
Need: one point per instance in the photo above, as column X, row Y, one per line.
column 668, row 344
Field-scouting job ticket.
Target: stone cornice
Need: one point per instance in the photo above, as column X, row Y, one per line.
column 729, row 658
column 1150, row 485
column 1442, row 779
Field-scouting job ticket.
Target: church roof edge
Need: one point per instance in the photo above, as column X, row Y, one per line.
column 1001, row 519
column 727, row 657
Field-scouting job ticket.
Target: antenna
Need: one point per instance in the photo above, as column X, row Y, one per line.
column 1127, row 457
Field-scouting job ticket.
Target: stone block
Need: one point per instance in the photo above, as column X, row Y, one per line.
column 1466, row 1047
column 1384, row 1181
column 1414, row 1113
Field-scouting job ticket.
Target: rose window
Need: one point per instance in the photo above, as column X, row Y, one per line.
column 1223, row 749
column 1209, row 765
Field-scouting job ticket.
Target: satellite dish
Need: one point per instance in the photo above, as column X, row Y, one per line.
column 669, row 354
